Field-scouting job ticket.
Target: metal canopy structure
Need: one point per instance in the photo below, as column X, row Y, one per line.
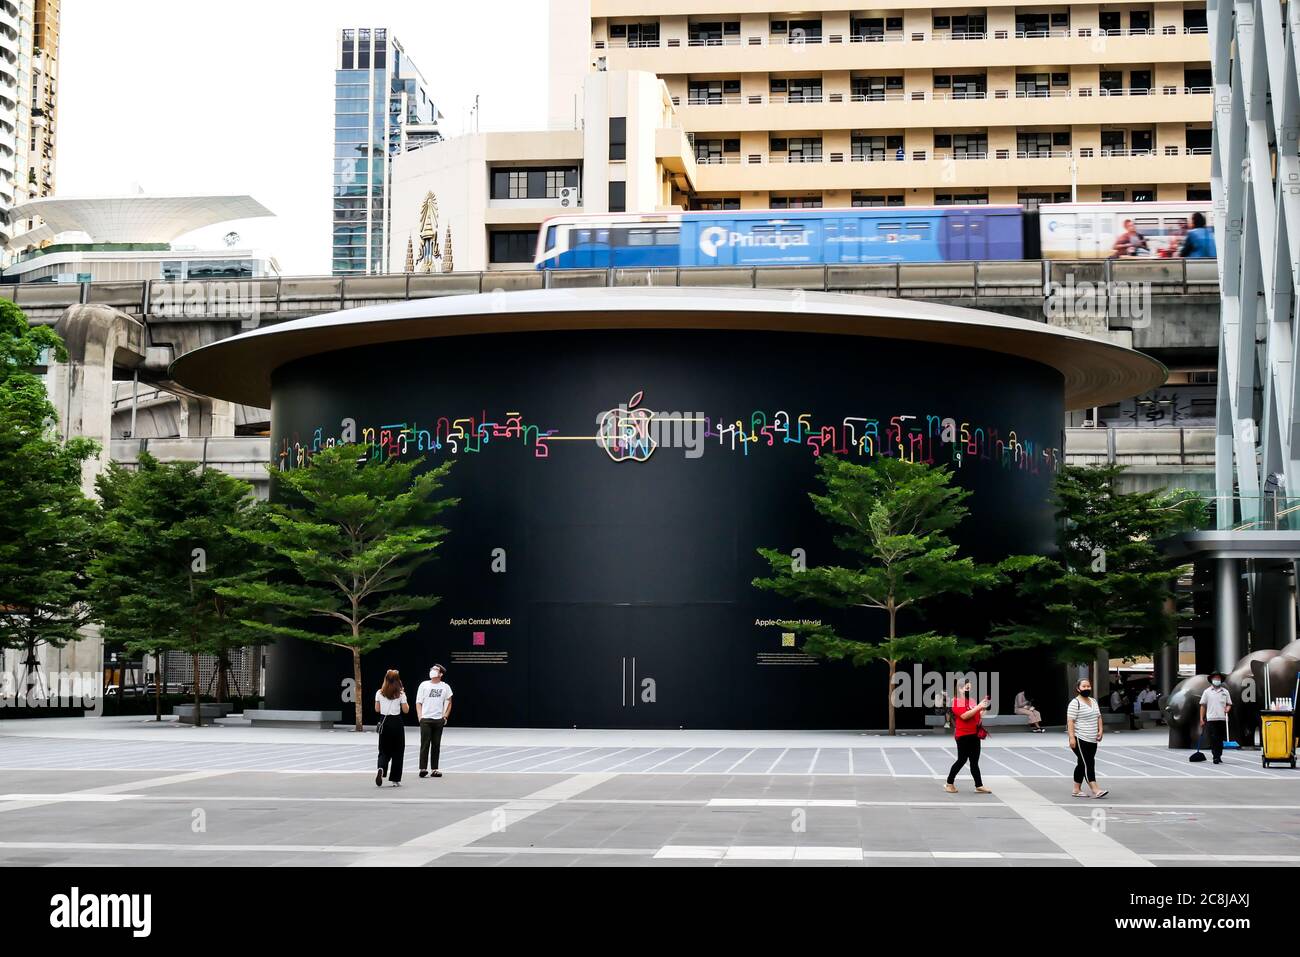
column 1093, row 371
column 132, row 219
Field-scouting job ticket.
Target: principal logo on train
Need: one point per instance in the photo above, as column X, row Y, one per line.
column 713, row 238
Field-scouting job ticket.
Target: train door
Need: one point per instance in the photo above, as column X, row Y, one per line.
column 1004, row 235
column 1083, row 242
column 849, row 241
column 707, row 242
column 976, row 235
column 953, row 244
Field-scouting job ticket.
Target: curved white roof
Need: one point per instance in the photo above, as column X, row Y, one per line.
column 133, row 219
column 1095, row 372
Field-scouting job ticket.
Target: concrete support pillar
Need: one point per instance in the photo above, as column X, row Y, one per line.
column 97, row 339
column 1101, row 676
column 201, row 416
column 1228, row 644
column 1284, row 618
column 1166, row 669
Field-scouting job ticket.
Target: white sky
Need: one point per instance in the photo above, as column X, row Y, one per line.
column 237, row 96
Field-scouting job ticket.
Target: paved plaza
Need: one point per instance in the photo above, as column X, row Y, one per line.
column 124, row 792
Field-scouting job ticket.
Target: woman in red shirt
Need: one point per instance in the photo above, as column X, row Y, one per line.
column 967, row 714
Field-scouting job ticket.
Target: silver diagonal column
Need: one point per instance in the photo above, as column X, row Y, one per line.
column 1255, row 180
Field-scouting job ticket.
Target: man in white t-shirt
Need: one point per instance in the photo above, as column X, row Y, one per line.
column 433, row 708
column 1216, row 704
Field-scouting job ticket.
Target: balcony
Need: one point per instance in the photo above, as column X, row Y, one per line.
column 918, row 50
column 947, row 171
column 918, row 108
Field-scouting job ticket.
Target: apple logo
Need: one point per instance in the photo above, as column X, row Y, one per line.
column 624, row 432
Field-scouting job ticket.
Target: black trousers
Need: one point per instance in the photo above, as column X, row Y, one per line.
column 1216, row 732
column 1085, row 765
column 392, row 745
column 431, row 742
column 968, row 749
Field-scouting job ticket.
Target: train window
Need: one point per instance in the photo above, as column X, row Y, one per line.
column 550, row 237
column 667, row 237
column 918, row 225
column 889, row 227
column 584, row 237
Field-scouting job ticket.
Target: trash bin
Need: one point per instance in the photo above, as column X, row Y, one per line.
column 1277, row 737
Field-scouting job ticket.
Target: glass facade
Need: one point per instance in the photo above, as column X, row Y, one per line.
column 378, row 94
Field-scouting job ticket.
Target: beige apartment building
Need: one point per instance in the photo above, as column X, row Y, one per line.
column 912, row 103
column 475, row 202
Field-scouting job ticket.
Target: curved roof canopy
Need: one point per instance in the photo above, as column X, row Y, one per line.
column 132, row 219
column 239, row 368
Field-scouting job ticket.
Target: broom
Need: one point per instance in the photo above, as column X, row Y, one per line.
column 1198, row 755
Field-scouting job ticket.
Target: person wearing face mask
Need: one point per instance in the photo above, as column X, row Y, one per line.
column 1216, row 703
column 967, row 715
column 1084, row 725
column 432, row 709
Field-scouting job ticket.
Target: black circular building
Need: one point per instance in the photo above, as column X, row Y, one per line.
column 622, row 453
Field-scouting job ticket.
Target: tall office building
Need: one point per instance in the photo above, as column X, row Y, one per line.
column 29, row 47
column 381, row 108
column 936, row 102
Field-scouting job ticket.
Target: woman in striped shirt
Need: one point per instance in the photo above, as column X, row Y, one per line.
column 1084, row 725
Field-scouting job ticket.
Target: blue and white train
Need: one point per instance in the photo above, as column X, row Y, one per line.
column 782, row 238
column 878, row 234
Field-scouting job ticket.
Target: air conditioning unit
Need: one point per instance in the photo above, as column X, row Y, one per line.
column 569, row 197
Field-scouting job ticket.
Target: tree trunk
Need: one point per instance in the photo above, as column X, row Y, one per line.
column 223, row 687
column 198, row 709
column 893, row 664
column 356, row 684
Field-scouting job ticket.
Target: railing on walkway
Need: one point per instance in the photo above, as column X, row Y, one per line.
column 307, row 295
column 1140, row 446
column 242, row 456
column 1257, row 513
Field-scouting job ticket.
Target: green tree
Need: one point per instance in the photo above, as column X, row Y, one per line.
column 45, row 519
column 347, row 534
column 1110, row 588
column 892, row 520
column 170, row 542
